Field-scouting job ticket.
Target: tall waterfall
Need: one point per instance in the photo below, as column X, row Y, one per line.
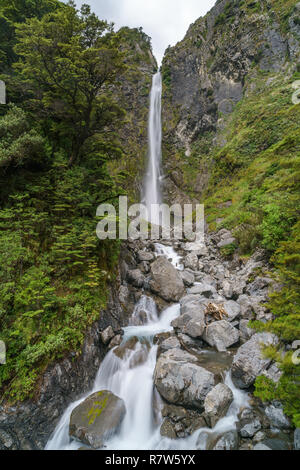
column 152, row 189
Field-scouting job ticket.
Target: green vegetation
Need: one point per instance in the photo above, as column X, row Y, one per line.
column 59, row 139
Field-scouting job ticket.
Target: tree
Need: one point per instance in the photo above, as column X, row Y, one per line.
column 69, row 63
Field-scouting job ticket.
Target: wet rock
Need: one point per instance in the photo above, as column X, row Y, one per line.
column 277, row 417
column 116, row 341
column 245, row 332
column 125, row 349
column 249, row 361
column 188, row 278
column 167, row 429
column 191, row 261
column 166, row 281
column 170, row 343
column 107, row 334
column 228, row 441
column 97, row 418
column 297, row 439
column 136, row 278
column 181, row 381
column 181, row 421
column 217, row 403
column 250, row 428
column 145, row 256
column 259, row 436
column 221, row 335
column 261, row 446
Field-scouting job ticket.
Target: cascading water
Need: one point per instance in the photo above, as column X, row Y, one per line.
column 131, row 378
column 152, row 184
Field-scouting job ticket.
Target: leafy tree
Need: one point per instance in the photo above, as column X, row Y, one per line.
column 69, row 62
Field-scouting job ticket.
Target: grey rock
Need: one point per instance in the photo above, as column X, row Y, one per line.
column 166, row 281
column 181, row 381
column 259, row 436
column 217, row 403
column 228, row 441
column 169, row 343
column 273, row 373
column 191, row 261
column 249, row 361
column 145, row 256
column 107, row 335
column 232, row 309
column 203, row 289
column 97, row 418
column 261, row 446
column 116, row 341
column 227, row 289
column 192, row 319
column 188, row 278
column 249, row 429
column 123, row 294
column 221, row 335
column 277, row 417
column 245, row 331
column 136, row 278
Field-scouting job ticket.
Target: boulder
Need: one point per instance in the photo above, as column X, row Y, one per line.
column 169, row 343
column 217, row 403
column 232, row 309
column 191, row 261
column 297, row 439
column 245, row 331
column 136, row 278
column 227, row 441
column 166, row 280
column 97, row 418
column 204, row 289
column 116, row 341
column 107, row 335
column 181, row 381
column 277, row 417
column 188, row 278
column 192, row 319
column 221, row 335
column 249, row 361
column 227, row 289
column 226, row 242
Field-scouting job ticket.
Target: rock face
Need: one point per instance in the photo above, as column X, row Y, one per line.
column 277, row 417
column 217, row 402
column 206, row 75
column 249, row 362
column 166, row 281
column 221, row 335
column 97, row 418
column 181, row 381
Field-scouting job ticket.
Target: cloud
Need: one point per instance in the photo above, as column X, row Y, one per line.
column 165, row 21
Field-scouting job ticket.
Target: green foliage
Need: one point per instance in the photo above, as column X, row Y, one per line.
column 67, row 62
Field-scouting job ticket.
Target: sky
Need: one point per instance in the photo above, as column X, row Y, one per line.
column 165, row 21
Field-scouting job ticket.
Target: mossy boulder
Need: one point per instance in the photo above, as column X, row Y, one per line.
column 97, row 418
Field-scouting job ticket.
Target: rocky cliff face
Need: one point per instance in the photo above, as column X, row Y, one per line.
column 209, row 72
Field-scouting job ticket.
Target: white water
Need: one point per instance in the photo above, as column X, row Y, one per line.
column 152, row 190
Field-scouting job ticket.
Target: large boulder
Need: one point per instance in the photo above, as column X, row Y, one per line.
column 221, row 335
column 191, row 261
column 181, row 381
column 187, row 277
column 249, row 361
column 204, row 289
column 166, row 280
column 277, row 417
column 192, row 319
column 136, row 278
column 217, row 403
column 97, row 418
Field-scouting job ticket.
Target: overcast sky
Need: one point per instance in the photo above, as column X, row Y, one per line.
column 165, row 21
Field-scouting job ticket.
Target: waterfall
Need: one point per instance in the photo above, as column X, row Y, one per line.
column 152, row 189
